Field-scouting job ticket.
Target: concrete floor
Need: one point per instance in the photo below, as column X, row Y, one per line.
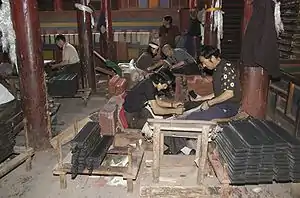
column 40, row 183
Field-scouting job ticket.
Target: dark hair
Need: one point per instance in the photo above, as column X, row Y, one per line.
column 60, row 37
column 208, row 51
column 168, row 18
column 149, row 49
column 164, row 76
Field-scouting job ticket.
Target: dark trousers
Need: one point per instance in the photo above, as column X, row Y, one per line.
column 218, row 111
column 137, row 120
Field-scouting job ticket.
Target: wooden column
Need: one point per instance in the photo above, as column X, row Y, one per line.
column 254, row 80
column 86, row 45
column 210, row 36
column 30, row 62
column 109, row 31
column 57, row 5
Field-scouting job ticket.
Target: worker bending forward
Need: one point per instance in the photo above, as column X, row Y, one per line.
column 143, row 99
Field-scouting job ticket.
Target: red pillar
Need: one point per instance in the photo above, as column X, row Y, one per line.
column 210, row 36
column 86, row 45
column 192, row 4
column 255, row 80
column 27, row 27
column 109, row 31
column 57, row 5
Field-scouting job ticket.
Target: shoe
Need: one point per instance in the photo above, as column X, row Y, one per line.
column 193, row 152
column 167, row 152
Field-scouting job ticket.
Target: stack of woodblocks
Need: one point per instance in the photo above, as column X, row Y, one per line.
column 289, row 42
column 88, row 148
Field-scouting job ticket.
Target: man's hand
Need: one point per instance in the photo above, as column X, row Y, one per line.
column 177, row 104
column 204, row 106
column 181, row 63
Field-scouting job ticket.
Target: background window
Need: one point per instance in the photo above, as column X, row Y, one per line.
column 143, row 3
column 164, row 3
column 153, row 3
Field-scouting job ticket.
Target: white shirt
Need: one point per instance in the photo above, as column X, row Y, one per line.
column 69, row 54
column 5, row 95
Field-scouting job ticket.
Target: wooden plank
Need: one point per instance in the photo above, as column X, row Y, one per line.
column 181, row 125
column 202, row 159
column 218, row 168
column 156, row 153
column 137, row 157
column 11, row 164
column 69, row 133
column 174, row 192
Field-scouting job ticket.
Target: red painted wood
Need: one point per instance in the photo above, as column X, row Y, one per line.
column 33, row 93
column 57, row 5
column 86, row 45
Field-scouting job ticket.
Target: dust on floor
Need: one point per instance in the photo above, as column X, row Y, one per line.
column 40, row 183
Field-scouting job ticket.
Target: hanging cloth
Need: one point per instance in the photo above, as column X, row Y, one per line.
column 260, row 48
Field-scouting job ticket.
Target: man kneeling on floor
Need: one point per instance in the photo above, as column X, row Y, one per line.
column 143, row 98
column 223, row 103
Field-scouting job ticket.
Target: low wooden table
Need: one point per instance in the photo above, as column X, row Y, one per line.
column 180, row 128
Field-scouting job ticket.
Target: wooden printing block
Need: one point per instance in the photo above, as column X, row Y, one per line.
column 124, row 139
column 112, row 85
column 108, row 118
column 121, row 86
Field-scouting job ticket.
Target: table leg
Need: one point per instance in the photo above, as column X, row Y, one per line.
column 161, row 145
column 156, row 153
column 202, row 159
column 129, row 185
column 63, row 181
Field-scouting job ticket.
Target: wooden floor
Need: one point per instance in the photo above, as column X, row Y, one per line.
column 178, row 178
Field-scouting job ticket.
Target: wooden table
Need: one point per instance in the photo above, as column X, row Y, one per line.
column 180, row 128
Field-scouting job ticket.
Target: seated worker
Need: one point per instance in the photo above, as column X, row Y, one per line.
column 177, row 58
column 145, row 94
column 70, row 59
column 225, row 101
column 146, row 59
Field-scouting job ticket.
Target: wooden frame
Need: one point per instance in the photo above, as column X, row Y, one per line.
column 24, row 154
column 84, row 94
column 63, row 167
column 180, row 128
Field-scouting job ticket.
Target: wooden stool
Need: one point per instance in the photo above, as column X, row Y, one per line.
column 180, row 128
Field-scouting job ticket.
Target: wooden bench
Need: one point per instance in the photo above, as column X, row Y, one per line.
column 180, row 128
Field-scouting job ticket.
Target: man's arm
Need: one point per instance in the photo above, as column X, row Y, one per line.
column 207, row 97
column 62, row 63
column 156, row 65
column 226, row 95
column 158, row 110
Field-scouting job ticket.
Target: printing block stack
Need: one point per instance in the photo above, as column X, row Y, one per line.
column 7, row 143
column 289, row 42
column 258, row 152
column 8, row 132
column 89, row 149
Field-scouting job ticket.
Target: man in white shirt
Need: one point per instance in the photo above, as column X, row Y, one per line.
column 70, row 58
